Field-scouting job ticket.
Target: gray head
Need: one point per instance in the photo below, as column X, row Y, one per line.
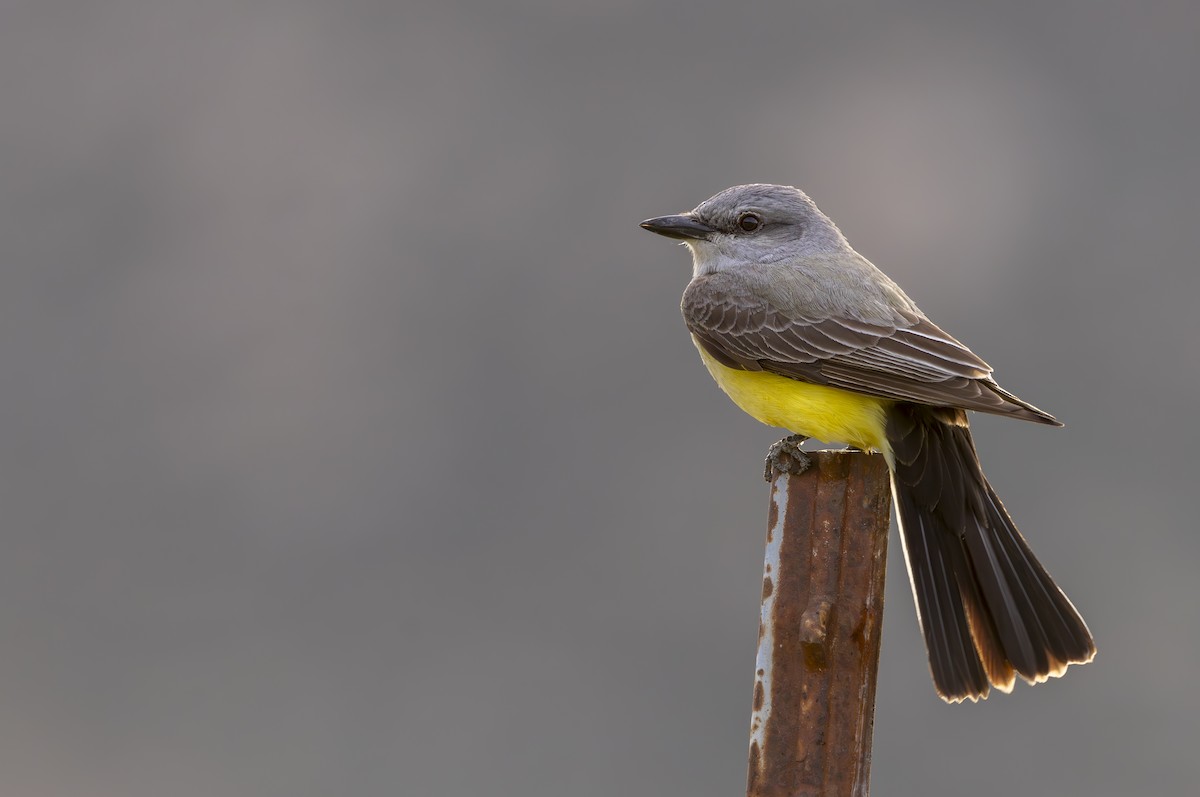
column 750, row 224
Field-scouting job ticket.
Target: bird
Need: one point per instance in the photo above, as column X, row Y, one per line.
column 804, row 333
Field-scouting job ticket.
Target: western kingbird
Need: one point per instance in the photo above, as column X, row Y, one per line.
column 804, row 333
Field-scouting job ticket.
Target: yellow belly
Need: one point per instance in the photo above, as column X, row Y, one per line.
column 825, row 413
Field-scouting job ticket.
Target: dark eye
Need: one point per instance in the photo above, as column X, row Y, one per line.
column 749, row 222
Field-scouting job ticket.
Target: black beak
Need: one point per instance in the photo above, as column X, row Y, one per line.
column 682, row 227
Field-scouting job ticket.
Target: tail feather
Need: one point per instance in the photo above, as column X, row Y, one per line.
column 1066, row 638
column 987, row 607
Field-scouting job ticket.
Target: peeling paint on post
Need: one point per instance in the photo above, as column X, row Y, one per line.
column 818, row 641
column 760, row 714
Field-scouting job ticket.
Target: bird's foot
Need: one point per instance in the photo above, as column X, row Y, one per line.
column 785, row 456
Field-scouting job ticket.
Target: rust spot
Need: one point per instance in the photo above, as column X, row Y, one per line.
column 758, row 695
column 861, row 635
column 761, row 672
column 814, row 657
column 768, row 588
column 814, row 623
column 755, row 772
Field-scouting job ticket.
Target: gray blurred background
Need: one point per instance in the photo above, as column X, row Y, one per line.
column 354, row 444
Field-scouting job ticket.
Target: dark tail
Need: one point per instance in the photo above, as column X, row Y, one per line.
column 987, row 607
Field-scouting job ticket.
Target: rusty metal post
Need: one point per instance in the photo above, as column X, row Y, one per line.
column 818, row 639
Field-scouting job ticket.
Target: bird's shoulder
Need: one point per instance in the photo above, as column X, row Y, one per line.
column 801, row 292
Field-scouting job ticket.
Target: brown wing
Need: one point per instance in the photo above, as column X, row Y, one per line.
column 909, row 359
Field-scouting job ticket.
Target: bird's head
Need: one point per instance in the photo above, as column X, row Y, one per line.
column 751, row 225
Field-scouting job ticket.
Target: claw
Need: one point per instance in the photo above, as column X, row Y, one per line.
column 785, row 456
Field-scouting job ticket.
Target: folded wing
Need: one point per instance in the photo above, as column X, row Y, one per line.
column 905, row 359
